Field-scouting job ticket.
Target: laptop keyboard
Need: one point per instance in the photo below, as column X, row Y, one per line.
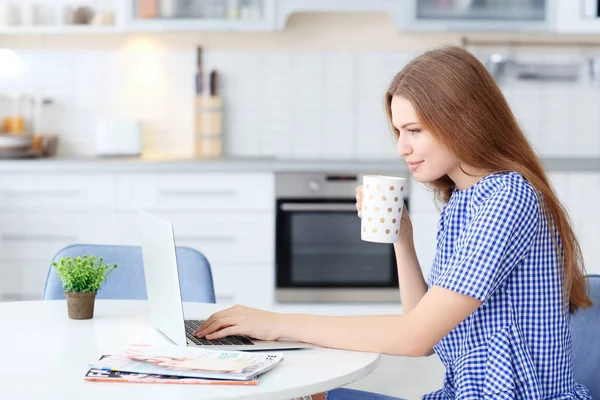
column 191, row 325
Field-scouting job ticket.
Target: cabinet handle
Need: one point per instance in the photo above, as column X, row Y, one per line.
column 18, row 237
column 318, row 207
column 37, row 193
column 224, row 298
column 227, row 239
column 198, row 193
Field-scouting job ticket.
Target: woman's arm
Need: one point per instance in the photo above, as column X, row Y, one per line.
column 412, row 334
column 410, row 277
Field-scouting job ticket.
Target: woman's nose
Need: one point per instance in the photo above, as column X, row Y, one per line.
column 404, row 148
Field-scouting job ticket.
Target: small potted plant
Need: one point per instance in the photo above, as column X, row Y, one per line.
column 81, row 278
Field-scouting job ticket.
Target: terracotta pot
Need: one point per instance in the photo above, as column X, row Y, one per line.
column 80, row 305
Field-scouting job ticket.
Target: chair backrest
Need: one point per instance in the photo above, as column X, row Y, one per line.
column 585, row 326
column 128, row 281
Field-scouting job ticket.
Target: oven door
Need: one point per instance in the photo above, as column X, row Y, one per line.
column 320, row 256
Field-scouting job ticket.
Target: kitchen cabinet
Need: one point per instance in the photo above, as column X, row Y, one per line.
column 577, row 17
column 285, row 8
column 230, row 217
column 35, row 192
column 62, row 17
column 440, row 15
column 578, row 192
column 127, row 16
column 476, row 15
column 183, row 15
column 192, row 191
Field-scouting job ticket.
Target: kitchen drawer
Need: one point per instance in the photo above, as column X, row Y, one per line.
column 38, row 236
column 196, row 191
column 23, row 279
column 57, row 192
column 225, row 238
column 250, row 285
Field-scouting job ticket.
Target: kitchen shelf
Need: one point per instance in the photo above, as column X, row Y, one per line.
column 61, row 30
column 171, row 25
column 137, row 27
column 432, row 13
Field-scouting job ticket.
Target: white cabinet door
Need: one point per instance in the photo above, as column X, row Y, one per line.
column 570, row 17
column 578, row 192
column 39, row 191
column 29, row 242
column 469, row 16
column 285, row 8
column 183, row 15
column 39, row 236
column 23, row 280
column 248, row 284
column 196, row 191
column 224, row 238
column 583, row 192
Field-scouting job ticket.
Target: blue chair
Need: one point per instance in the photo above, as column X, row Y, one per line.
column 128, row 280
column 585, row 325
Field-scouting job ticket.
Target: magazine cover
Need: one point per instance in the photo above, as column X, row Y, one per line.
column 190, row 362
column 99, row 375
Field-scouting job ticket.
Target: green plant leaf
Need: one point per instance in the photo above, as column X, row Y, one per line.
column 82, row 274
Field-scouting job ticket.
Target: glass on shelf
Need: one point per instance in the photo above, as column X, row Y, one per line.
column 524, row 10
column 199, row 9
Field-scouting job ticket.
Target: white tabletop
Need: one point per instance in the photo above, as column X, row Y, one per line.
column 45, row 353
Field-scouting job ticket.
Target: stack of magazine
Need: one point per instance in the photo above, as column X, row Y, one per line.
column 172, row 364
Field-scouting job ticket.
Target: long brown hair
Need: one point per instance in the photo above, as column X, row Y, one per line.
column 459, row 103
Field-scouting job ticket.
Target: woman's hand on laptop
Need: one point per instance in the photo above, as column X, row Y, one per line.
column 241, row 320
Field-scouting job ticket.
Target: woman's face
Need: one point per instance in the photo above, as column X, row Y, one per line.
column 427, row 159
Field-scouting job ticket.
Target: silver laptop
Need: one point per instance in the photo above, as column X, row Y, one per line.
column 164, row 293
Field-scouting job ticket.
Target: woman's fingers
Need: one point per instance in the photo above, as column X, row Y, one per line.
column 359, row 196
column 229, row 331
column 217, row 325
column 212, row 319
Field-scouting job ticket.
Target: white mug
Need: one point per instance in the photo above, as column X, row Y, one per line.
column 382, row 205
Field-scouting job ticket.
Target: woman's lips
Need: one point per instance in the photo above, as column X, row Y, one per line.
column 414, row 165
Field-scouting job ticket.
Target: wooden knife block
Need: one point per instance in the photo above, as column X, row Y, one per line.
column 208, row 127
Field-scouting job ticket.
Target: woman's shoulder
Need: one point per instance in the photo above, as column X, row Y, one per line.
column 506, row 190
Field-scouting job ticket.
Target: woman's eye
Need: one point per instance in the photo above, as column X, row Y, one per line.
column 414, row 130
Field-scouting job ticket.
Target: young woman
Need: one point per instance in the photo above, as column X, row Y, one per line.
column 508, row 268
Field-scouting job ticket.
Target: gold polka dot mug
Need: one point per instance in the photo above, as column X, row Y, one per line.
column 382, row 206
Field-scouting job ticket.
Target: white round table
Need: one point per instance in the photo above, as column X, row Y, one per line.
column 44, row 353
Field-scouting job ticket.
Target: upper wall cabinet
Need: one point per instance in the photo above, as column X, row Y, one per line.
column 61, row 16
column 199, row 15
column 122, row 16
column 476, row 15
column 578, row 17
column 440, row 15
column 285, row 8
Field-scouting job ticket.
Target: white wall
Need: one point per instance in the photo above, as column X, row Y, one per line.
column 313, row 90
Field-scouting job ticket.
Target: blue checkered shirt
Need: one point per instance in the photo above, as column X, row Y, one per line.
column 494, row 244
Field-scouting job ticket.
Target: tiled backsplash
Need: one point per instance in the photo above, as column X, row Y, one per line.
column 290, row 104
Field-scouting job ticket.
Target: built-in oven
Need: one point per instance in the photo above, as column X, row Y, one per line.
column 319, row 254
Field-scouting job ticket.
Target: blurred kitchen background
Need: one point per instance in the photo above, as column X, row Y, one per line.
column 243, row 121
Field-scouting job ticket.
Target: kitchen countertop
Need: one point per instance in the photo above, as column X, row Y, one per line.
column 171, row 164
column 249, row 164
